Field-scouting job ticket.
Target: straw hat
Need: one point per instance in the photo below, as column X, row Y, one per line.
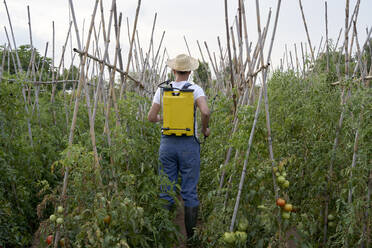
column 183, row 63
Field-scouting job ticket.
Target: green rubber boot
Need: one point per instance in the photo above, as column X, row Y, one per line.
column 191, row 216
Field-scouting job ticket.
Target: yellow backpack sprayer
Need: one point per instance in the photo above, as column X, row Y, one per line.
column 178, row 110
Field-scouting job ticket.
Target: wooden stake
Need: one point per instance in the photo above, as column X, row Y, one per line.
column 307, row 32
column 229, row 53
column 326, row 24
column 14, row 42
column 122, row 86
column 76, row 107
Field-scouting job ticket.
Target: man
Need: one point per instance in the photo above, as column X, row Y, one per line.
column 182, row 153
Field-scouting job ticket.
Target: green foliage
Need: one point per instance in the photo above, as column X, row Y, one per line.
column 25, row 55
column 202, row 74
column 367, row 56
column 23, row 167
column 124, row 188
column 304, row 114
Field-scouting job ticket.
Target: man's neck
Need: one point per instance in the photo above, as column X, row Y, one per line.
column 181, row 78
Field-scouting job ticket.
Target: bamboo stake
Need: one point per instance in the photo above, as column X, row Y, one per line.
column 100, row 85
column 214, row 67
column 8, row 56
column 120, row 57
column 303, row 60
column 264, row 78
column 37, row 90
column 222, row 60
column 367, row 226
column 248, row 51
column 155, row 61
column 2, row 63
column 64, row 50
column 42, row 82
column 258, row 108
column 319, row 48
column 13, row 38
column 326, row 24
column 31, row 64
column 23, row 88
column 338, row 37
column 112, row 79
column 140, row 52
column 201, row 53
column 256, row 56
column 53, row 77
column 229, row 53
column 11, row 54
column 252, row 77
column 102, row 62
column 355, row 149
column 339, row 127
column 135, row 55
column 215, row 61
column 76, row 107
column 307, row 32
column 235, row 57
column 131, row 48
column 146, row 62
column 187, row 46
column 286, row 56
column 256, row 117
column 110, row 66
column 297, row 62
column 290, row 55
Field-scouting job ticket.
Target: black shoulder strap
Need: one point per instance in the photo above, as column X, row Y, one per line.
column 186, row 86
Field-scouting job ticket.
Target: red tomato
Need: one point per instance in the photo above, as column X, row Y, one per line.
column 107, row 219
column 280, row 202
column 49, row 239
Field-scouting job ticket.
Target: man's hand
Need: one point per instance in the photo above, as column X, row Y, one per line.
column 201, row 102
column 206, row 132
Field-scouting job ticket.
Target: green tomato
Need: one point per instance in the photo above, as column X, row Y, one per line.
column 275, row 169
column 140, row 211
column 277, row 173
column 286, row 184
column 52, row 218
column 241, row 236
column 60, row 209
column 59, row 220
column 243, row 224
column 124, row 243
column 286, row 215
column 98, row 233
column 284, row 174
column 331, row 217
column 127, row 201
column 281, row 179
column 229, row 237
column 331, row 224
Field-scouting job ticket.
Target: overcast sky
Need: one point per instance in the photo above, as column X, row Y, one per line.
column 201, row 20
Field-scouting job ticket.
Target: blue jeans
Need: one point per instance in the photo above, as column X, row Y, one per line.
column 180, row 154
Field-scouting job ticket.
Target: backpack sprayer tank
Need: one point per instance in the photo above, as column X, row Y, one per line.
column 178, row 111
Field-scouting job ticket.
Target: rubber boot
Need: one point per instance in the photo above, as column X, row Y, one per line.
column 191, row 216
